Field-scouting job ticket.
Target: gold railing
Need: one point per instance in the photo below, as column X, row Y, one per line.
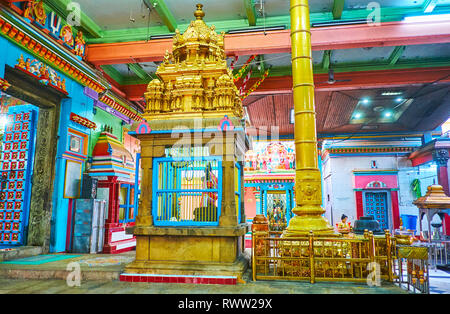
column 318, row 258
column 412, row 268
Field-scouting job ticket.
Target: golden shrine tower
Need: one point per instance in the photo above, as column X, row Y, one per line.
column 194, row 80
column 191, row 219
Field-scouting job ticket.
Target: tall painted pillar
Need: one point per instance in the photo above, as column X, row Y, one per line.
column 308, row 186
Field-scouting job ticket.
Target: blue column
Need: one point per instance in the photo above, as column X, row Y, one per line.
column 288, row 205
column 265, row 203
column 260, row 208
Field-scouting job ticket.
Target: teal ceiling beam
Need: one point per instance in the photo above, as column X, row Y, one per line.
column 139, row 71
column 250, row 11
column 429, row 5
column 338, row 8
column 112, row 72
column 164, row 13
column 139, row 34
column 396, row 54
column 64, row 9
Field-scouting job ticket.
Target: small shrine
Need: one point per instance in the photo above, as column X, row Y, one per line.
column 191, row 219
column 114, row 167
column 434, row 202
column 269, row 182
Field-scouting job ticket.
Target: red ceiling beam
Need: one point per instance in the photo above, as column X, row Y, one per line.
column 358, row 80
column 323, row 38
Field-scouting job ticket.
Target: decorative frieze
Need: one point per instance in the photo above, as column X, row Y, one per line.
column 82, row 121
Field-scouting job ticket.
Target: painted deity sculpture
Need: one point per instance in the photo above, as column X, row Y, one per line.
column 67, row 35
column 80, row 44
column 277, row 216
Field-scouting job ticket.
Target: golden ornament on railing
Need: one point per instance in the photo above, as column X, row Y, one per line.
column 194, row 80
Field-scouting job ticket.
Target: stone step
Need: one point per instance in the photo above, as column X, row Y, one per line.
column 20, row 252
column 63, row 274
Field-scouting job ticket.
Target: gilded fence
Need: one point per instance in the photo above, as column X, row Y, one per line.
column 412, row 268
column 315, row 258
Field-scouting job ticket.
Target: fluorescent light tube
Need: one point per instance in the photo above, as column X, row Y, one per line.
column 428, row 18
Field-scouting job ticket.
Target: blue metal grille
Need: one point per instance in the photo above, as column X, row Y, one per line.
column 187, row 191
column 16, row 168
column 376, row 206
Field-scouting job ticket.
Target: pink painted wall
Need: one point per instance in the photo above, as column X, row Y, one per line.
column 361, row 181
column 249, row 203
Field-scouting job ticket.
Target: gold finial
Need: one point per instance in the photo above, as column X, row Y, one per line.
column 199, row 14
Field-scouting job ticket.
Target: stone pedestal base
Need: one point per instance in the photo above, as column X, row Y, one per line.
column 208, row 251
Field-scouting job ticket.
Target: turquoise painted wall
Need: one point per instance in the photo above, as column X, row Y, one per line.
column 77, row 102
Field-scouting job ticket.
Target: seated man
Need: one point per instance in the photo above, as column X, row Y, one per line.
column 344, row 226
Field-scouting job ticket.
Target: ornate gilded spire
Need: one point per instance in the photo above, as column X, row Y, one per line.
column 199, row 14
column 194, row 79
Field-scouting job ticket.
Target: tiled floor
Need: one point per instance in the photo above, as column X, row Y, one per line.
column 55, row 286
column 439, row 282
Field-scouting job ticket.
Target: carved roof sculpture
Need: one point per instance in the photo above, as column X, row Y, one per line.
column 194, row 80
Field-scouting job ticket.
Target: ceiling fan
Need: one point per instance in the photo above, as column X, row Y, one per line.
column 331, row 79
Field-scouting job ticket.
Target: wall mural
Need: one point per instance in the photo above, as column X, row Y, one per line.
column 270, row 157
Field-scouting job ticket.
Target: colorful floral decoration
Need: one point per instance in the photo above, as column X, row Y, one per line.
column 45, row 74
column 4, row 85
column 116, row 106
column 243, row 69
column 82, row 121
column 66, row 35
column 255, row 86
column 80, row 44
column 245, row 82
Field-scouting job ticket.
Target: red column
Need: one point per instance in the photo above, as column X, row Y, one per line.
column 395, row 210
column 443, row 181
column 359, row 204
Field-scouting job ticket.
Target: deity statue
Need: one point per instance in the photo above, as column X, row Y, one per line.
column 39, row 12
column 66, row 35
column 21, row 62
column 80, row 44
column 28, row 9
